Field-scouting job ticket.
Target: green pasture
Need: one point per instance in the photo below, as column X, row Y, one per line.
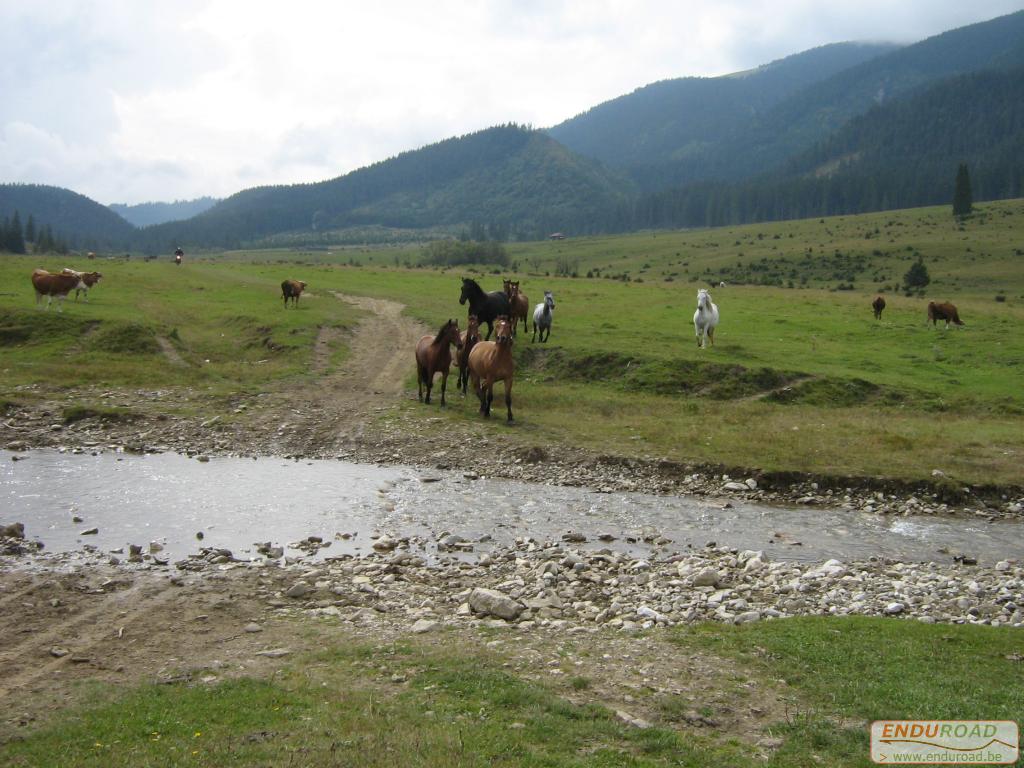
column 799, row 378
column 224, row 327
column 448, row 702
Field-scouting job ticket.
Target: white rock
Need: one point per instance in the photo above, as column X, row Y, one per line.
column 424, row 625
column 490, row 602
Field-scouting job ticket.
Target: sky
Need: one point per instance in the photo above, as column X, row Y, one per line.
column 128, row 101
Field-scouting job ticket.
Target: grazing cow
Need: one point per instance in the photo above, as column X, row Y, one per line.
column 878, row 305
column 292, row 289
column 944, row 311
column 89, row 279
column 52, row 284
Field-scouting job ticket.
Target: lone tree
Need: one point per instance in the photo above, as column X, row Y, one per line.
column 917, row 276
column 962, row 203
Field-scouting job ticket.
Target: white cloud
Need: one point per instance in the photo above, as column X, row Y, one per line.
column 128, row 101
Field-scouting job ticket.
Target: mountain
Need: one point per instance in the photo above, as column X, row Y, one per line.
column 901, row 154
column 519, row 179
column 80, row 221
column 145, row 214
column 743, row 133
column 674, row 119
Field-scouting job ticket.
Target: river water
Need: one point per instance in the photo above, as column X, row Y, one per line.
column 236, row 502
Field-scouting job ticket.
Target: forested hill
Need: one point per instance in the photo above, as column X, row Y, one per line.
column 755, row 140
column 899, row 155
column 146, row 214
column 80, row 221
column 673, row 119
column 518, row 179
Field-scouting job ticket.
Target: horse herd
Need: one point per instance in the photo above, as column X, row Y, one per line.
column 481, row 362
column 944, row 311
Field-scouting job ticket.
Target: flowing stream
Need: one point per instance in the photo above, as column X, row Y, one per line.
column 234, row 502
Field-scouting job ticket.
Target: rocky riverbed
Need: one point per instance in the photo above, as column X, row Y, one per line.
column 554, row 586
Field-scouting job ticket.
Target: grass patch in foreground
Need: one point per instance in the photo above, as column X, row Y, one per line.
column 865, row 669
column 343, row 708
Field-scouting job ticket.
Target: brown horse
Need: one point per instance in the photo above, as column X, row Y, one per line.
column 469, row 339
column 519, row 305
column 878, row 305
column 491, row 361
column 944, row 311
column 434, row 355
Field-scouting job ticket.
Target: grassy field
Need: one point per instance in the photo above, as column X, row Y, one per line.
column 799, row 379
column 451, row 703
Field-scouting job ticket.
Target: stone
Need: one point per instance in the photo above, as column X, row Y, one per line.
column 747, row 617
column 298, row 589
column 59, row 653
column 423, row 626
column 894, row 609
column 708, row 577
column 90, row 532
column 385, row 544
column 734, row 486
column 491, row 602
column 253, row 628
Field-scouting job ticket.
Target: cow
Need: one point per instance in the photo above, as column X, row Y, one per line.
column 292, row 289
column 52, row 284
column 878, row 305
column 89, row 279
column 944, row 311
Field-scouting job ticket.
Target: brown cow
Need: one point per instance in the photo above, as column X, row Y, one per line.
column 878, row 305
column 944, row 311
column 52, row 284
column 292, row 289
column 89, row 279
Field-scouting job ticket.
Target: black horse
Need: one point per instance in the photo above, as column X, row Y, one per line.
column 486, row 306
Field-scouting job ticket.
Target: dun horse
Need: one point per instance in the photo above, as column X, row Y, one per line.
column 705, row 319
column 469, row 339
column 434, row 355
column 542, row 317
column 490, row 362
column 486, row 306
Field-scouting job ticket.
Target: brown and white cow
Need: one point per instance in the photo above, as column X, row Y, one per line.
column 89, row 279
column 944, row 311
column 52, row 284
column 292, row 289
column 878, row 305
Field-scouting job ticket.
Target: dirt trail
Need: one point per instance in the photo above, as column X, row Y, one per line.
column 333, row 410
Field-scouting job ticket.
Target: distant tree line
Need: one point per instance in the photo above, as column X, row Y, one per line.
column 15, row 238
column 453, row 253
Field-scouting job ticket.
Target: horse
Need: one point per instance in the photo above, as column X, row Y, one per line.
column 518, row 304
column 542, row 317
column 878, row 305
column 486, row 306
column 292, row 289
column 491, row 361
column 434, row 355
column 705, row 319
column 944, row 311
column 469, row 339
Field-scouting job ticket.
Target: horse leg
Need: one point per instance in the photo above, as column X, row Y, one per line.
column 490, row 329
column 711, row 335
column 535, row 334
column 444, row 384
column 419, row 381
column 508, row 398
column 547, row 335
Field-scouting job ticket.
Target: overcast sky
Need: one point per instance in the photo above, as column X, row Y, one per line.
column 139, row 100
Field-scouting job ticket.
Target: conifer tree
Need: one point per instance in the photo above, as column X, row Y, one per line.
column 962, row 201
column 917, row 276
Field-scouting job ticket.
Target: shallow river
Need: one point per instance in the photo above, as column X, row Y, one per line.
column 236, row 502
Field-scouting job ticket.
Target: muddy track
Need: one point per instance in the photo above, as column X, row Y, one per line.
column 333, row 410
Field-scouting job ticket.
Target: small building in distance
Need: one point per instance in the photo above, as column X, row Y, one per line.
column 556, row 236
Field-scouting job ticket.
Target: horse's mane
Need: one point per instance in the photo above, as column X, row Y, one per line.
column 440, row 334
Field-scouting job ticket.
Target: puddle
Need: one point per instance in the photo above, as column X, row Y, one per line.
column 236, row 502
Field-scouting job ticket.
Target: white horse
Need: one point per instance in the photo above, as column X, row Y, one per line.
column 705, row 318
column 542, row 317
